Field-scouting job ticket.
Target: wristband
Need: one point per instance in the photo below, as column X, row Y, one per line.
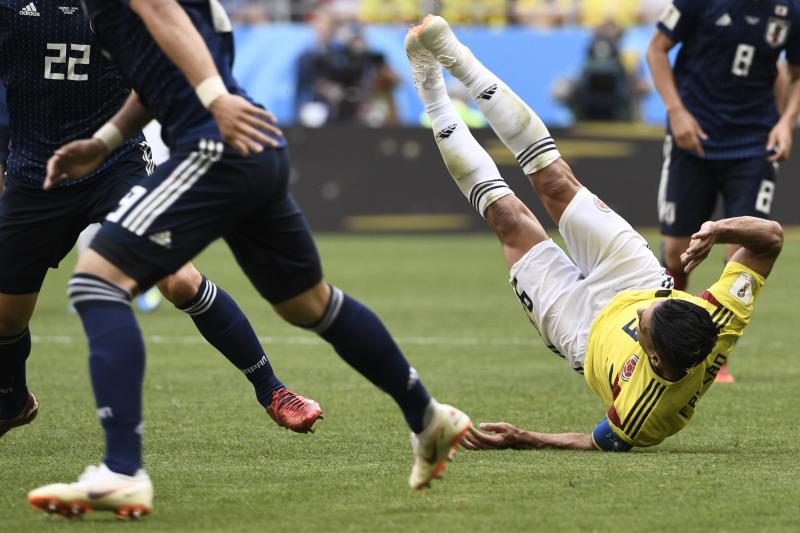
column 109, row 135
column 210, row 89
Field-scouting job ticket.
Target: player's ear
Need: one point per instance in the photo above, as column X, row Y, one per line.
column 655, row 359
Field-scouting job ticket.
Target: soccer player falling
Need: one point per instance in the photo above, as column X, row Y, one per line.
column 725, row 135
column 649, row 352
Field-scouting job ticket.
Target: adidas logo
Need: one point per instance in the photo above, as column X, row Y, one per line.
column 488, row 93
column 446, row 132
column 29, row 10
column 724, row 20
column 162, row 238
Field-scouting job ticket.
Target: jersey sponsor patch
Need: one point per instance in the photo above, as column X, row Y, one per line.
column 628, row 368
column 670, row 17
column 742, row 288
column 777, row 32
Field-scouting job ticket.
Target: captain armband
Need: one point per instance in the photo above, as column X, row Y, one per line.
column 606, row 439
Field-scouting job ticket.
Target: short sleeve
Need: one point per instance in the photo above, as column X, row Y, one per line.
column 606, row 439
column 734, row 295
column 679, row 18
column 793, row 44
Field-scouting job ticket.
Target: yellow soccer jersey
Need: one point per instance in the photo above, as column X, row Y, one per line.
column 643, row 408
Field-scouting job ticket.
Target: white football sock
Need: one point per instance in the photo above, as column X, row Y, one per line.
column 468, row 163
column 520, row 129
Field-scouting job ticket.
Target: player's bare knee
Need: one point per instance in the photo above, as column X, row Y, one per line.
column 182, row 286
column 11, row 325
column 555, row 183
column 307, row 308
column 506, row 217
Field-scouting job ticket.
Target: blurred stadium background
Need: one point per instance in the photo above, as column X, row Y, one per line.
column 341, row 64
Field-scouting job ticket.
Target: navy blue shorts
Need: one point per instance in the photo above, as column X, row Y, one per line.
column 199, row 196
column 690, row 187
column 38, row 228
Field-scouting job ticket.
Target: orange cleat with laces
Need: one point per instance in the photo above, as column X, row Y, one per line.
column 293, row 411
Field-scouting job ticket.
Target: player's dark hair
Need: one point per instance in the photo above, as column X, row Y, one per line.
column 683, row 333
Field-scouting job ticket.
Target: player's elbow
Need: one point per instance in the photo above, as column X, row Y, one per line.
column 775, row 240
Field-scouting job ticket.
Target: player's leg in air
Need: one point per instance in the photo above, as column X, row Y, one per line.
column 606, row 251
column 276, row 250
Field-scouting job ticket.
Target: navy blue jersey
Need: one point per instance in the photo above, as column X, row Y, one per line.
column 162, row 88
column 59, row 87
column 726, row 67
column 3, row 127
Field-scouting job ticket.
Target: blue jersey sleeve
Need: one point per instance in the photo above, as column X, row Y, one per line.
column 4, row 134
column 607, row 440
column 793, row 44
column 680, row 18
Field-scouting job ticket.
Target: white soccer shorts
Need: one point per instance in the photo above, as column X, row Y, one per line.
column 562, row 297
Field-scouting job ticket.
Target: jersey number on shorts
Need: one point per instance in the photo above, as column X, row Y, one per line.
column 53, row 63
column 524, row 299
column 128, row 201
column 743, row 59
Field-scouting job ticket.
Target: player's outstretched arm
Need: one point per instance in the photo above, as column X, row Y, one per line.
column 79, row 158
column 685, row 129
column 241, row 123
column 502, row 435
column 761, row 242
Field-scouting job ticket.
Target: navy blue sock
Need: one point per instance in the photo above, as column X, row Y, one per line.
column 225, row 327
column 361, row 339
column 116, row 365
column 14, row 352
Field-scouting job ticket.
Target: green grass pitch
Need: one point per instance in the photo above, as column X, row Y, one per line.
column 219, row 463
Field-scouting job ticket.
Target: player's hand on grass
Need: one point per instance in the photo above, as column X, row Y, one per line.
column 779, row 141
column 687, row 131
column 243, row 125
column 699, row 246
column 75, row 160
column 491, row 436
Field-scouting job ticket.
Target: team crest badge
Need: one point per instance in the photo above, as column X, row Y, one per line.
column 601, row 205
column 777, row 32
column 630, row 366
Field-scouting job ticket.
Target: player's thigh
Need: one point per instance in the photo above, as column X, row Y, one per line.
column 169, row 217
column 687, row 192
column 541, row 281
column 597, row 237
column 114, row 184
column 276, row 250
column 748, row 187
column 37, row 229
